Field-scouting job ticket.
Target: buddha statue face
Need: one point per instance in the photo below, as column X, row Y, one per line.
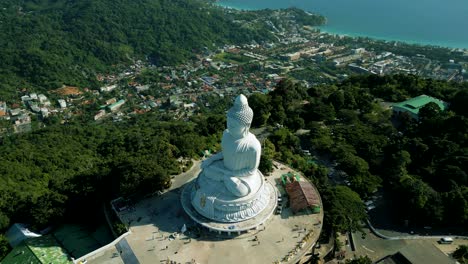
column 236, row 128
column 239, row 117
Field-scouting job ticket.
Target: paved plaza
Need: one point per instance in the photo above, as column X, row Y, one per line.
column 156, row 222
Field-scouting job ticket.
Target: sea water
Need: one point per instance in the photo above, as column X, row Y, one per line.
column 433, row 22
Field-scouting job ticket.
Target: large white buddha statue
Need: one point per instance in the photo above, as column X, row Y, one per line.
column 236, row 165
column 230, row 187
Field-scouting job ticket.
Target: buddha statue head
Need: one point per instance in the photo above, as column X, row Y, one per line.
column 239, row 117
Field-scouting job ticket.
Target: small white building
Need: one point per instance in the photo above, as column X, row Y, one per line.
column 142, row 88
column 359, row 50
column 62, row 103
column 111, row 101
column 44, row 112
column 26, row 98
column 100, row 114
column 42, row 98
column 35, row 108
column 108, row 88
column 188, row 106
column 15, row 112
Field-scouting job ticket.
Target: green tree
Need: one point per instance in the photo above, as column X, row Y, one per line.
column 429, row 111
column 48, row 209
column 4, row 221
column 278, row 115
column 4, row 246
column 458, row 102
column 319, row 111
column 266, row 159
column 456, row 205
column 320, row 137
column 284, row 139
column 216, row 124
column 344, row 209
column 337, row 99
column 261, row 107
column 119, row 228
column 461, row 254
column 295, row 123
column 144, row 175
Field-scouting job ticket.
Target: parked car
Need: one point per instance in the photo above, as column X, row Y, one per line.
column 446, row 240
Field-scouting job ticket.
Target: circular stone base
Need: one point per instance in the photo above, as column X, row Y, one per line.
column 154, row 221
column 237, row 227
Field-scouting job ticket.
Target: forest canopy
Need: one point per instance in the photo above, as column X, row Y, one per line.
column 421, row 163
column 46, row 172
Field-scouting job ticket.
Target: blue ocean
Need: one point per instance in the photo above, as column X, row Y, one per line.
column 432, row 22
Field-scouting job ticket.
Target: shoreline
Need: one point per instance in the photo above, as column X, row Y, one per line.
column 323, row 29
column 336, row 32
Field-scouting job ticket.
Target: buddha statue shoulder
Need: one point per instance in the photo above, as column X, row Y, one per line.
column 237, row 164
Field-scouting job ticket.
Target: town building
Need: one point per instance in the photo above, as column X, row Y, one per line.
column 142, row 88
column 108, row 88
column 62, row 103
column 115, row 106
column 111, row 101
column 302, row 195
column 413, row 105
column 100, row 114
column 42, row 98
column 3, row 109
column 417, row 253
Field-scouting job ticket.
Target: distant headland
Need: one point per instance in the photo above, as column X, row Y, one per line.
column 440, row 25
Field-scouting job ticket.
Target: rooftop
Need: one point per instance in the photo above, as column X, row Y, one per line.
column 302, row 195
column 44, row 249
column 420, row 252
column 414, row 104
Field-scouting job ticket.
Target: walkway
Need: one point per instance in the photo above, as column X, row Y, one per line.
column 377, row 233
column 126, row 253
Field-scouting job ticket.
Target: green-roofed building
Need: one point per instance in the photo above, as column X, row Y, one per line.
column 413, row 105
column 40, row 250
column 19, row 255
column 115, row 106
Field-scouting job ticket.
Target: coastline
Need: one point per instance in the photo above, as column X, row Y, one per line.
column 436, row 44
column 242, row 8
column 333, row 31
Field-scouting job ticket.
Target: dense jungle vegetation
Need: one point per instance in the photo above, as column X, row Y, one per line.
column 422, row 163
column 63, row 171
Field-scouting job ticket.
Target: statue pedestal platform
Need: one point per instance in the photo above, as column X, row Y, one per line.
column 285, row 237
column 233, row 226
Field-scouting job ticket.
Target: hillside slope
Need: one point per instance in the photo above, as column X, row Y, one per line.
column 46, row 43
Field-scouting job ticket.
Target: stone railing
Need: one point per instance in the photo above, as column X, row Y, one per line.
column 101, row 249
